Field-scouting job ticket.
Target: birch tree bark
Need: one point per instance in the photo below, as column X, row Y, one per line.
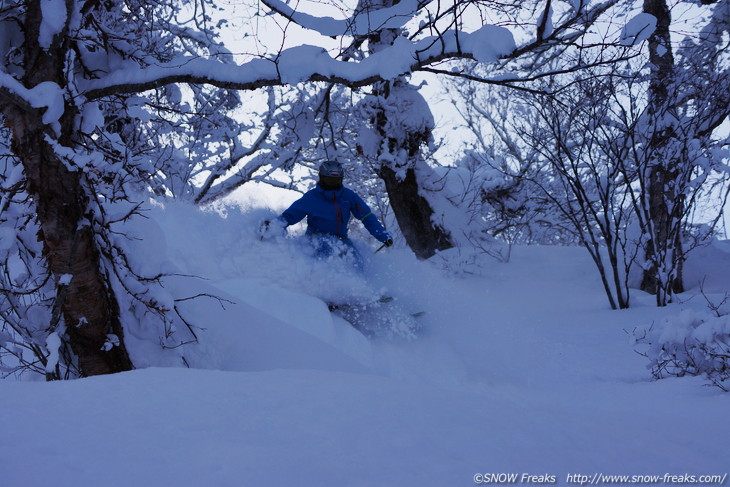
column 665, row 248
column 84, row 302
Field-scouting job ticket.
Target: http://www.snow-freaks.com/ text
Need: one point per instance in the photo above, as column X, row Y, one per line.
column 599, row 479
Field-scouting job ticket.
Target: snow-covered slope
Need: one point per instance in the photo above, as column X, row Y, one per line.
column 519, row 368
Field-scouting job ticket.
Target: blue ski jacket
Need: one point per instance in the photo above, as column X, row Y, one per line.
column 328, row 212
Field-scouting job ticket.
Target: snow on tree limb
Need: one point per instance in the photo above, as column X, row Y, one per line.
column 361, row 23
column 638, row 29
column 308, row 63
column 238, row 153
column 12, row 90
column 46, row 95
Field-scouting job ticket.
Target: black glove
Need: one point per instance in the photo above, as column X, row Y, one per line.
column 388, row 242
column 264, row 229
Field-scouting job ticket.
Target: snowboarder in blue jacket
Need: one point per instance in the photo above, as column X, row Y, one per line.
column 328, row 208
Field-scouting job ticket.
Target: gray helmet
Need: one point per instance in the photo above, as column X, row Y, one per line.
column 332, row 169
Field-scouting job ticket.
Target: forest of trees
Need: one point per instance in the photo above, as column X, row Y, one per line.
column 592, row 123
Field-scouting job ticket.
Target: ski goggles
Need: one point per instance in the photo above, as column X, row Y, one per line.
column 330, row 181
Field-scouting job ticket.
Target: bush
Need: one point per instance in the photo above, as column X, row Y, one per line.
column 692, row 343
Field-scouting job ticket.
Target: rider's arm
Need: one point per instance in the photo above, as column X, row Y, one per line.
column 295, row 213
column 362, row 212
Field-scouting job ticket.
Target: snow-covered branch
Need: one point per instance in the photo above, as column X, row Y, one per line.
column 46, row 95
column 362, row 22
column 308, row 63
column 12, row 91
column 237, row 154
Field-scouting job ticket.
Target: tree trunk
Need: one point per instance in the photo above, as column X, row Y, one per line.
column 666, row 241
column 413, row 213
column 86, row 304
column 403, row 144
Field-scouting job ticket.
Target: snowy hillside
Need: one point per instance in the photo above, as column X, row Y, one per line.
column 518, row 368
